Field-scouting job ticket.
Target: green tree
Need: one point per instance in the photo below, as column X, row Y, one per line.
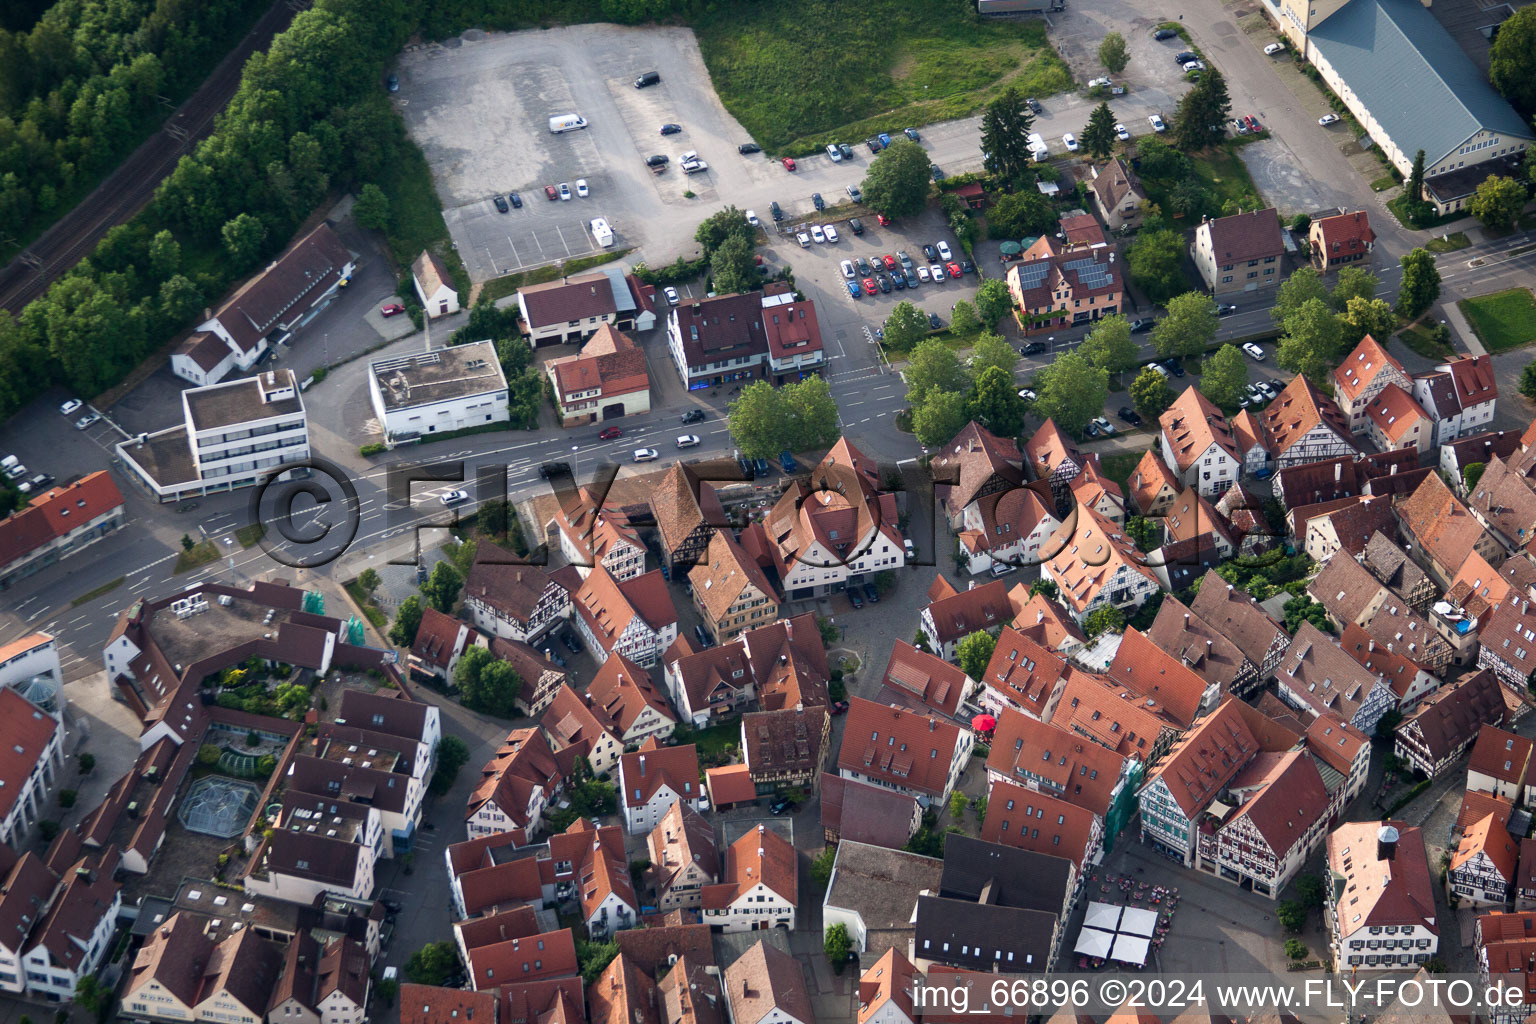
column 594, row 958
column 1201, row 118
column 1113, row 53
column 208, row 754
column 1046, row 587
column 942, row 416
column 67, row 798
column 958, row 802
column 243, row 238
column 821, row 866
column 1109, row 345
column 1071, row 392
column 757, row 421
column 442, row 587
column 1472, row 474
column 1224, row 376
column 933, row 368
column 452, row 754
column 810, row 414
column 1512, row 61
column 905, row 327
column 838, row 946
column 993, row 302
column 407, row 622
column 963, row 321
column 1295, row 291
column 898, row 180
column 1295, row 949
column 1291, row 915
column 1005, row 126
column 1156, row 261
column 1020, row 215
column 369, row 580
column 721, row 226
column 292, row 699
column 996, row 404
column 1353, row 282
column 1160, row 160
column 387, row 989
column 1366, row 316
column 991, row 350
column 830, row 632
column 1099, row 134
column 180, row 300
column 266, row 764
column 371, row 210
column 1303, row 609
column 1528, row 379
column 1421, row 283
column 1311, row 890
column 733, row 268
column 1414, row 188
column 1150, row 394
column 1312, row 340
column 92, row 996
column 187, row 543
column 490, row 686
column 1188, row 328
column 432, row 964
column 164, row 255
column 1497, row 201
column 86, row 763
column 973, row 652
column 1108, row 618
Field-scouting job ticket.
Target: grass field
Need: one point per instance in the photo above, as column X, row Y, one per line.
column 501, row 287
column 1119, row 466
column 416, row 214
column 197, row 556
column 372, row 611
column 1450, row 243
column 1383, row 183
column 1503, row 320
column 91, row 595
column 1420, row 339
column 1399, row 207
column 1220, row 171
column 800, row 75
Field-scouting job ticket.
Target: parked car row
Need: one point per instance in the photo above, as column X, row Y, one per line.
column 885, row 273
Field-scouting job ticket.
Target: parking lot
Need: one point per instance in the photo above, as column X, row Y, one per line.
column 1153, row 81
column 498, row 92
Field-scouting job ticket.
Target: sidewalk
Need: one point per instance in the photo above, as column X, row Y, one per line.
column 1462, row 329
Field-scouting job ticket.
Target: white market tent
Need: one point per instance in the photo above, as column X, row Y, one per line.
column 1102, row 915
column 1094, row 942
column 1136, row 921
column 1130, row 949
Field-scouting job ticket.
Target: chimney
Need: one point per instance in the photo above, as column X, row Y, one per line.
column 1386, row 843
column 1338, row 471
column 642, row 766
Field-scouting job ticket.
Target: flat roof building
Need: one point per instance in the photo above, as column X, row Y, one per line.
column 439, row 391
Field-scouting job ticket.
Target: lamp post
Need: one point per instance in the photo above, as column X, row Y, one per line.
column 576, row 467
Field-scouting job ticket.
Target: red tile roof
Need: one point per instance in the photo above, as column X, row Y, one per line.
column 1490, row 837
column 1291, row 797
column 1206, row 759
column 915, row 677
column 792, row 329
column 865, row 813
column 610, row 362
column 730, row 784
column 547, row 955
column 1335, row 741
column 608, row 606
column 900, row 748
column 621, row 691
column 1112, row 715
column 25, row 733
column 645, row 771
column 982, row 607
column 1394, row 413
column 1363, row 365
column 1024, row 672
column 972, row 459
column 431, row 1004
column 1191, row 425
column 1501, row 755
column 1046, row 449
column 1377, row 891
column 1150, row 479
column 759, row 857
column 1474, row 379
column 1476, row 806
column 1146, row 669
column 1295, row 412
column 55, row 512
column 1042, row 620
column 1081, row 772
column 1028, row 820
column 437, row 638
column 1089, row 553
column 1245, row 236
column 522, row 763
column 1346, row 234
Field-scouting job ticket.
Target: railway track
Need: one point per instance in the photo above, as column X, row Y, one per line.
column 128, row 188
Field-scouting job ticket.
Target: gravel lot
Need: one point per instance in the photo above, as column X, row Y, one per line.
column 480, row 108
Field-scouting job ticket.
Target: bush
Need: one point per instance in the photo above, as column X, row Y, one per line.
column 208, row 755
column 67, row 798
column 1295, row 949
column 86, row 764
column 838, row 946
column 372, row 449
column 49, row 829
column 1291, row 915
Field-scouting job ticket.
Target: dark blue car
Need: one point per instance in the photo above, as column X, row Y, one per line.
column 787, row 461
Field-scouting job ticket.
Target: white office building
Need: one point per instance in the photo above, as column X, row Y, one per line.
column 438, row 392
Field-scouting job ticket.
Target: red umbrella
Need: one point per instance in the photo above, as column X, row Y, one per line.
column 984, row 723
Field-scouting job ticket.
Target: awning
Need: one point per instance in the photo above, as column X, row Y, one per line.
column 1136, row 921
column 1093, row 942
column 1102, row 915
column 1130, row 949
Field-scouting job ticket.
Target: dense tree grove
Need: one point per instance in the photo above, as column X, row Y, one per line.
column 309, row 115
column 81, row 88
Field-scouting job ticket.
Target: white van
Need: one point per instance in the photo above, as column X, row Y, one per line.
column 1037, row 147
column 602, row 233
column 566, row 123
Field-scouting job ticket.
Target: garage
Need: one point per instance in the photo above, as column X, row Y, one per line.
column 614, row 411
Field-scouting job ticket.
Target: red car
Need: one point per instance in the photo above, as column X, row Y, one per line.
column 1252, row 123
column 609, row 433
column 870, row 287
column 549, row 190
column 839, row 707
column 393, row 309
column 789, row 163
column 885, row 221
column 953, row 268
column 889, row 261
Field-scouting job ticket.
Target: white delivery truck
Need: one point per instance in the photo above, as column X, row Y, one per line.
column 566, row 123
column 1037, row 148
column 602, row 233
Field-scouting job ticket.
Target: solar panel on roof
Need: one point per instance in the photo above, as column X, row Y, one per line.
column 1031, row 274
